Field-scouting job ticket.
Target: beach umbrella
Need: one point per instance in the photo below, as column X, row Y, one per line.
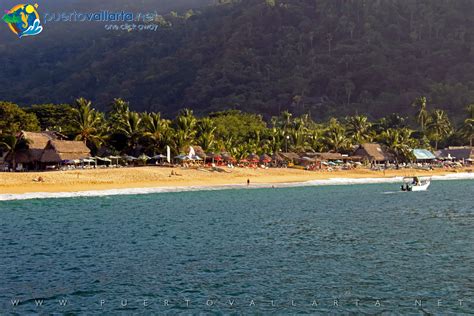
column 244, row 160
column 87, row 160
column 331, row 163
column 112, row 158
column 103, row 159
column 265, row 158
column 197, row 158
column 228, row 158
column 129, row 158
column 214, row 157
column 339, row 161
column 157, row 157
column 253, row 158
column 181, row 157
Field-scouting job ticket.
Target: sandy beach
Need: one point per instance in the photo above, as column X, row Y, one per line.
column 157, row 177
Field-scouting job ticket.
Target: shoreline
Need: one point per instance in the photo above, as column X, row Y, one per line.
column 150, row 180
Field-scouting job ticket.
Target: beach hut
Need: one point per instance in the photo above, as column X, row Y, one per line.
column 423, row 155
column 30, row 157
column 373, row 153
column 465, row 154
column 58, row 151
column 290, row 157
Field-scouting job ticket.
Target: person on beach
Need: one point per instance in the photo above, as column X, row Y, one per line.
column 39, row 179
column 248, row 182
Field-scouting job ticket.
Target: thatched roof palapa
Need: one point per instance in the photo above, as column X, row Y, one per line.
column 329, row 156
column 228, row 157
column 290, row 156
column 36, row 144
column 277, row 158
column 214, row 156
column 265, row 158
column 373, row 152
column 61, row 150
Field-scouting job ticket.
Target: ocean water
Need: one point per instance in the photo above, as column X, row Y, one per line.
column 302, row 250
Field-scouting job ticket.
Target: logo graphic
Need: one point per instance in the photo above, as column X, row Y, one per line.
column 23, row 20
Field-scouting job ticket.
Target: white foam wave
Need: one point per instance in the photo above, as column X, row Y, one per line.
column 142, row 191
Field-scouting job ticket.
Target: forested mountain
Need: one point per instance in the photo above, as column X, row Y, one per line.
column 322, row 57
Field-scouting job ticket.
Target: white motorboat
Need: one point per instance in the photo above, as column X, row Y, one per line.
column 416, row 184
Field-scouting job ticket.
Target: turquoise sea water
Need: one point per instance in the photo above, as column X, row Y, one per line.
column 236, row 251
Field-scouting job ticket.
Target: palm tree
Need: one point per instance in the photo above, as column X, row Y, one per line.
column 206, row 129
column 422, row 114
column 313, row 140
column 87, row 123
column 131, row 126
column 275, row 137
column 358, row 127
column 120, row 106
column 185, row 126
column 439, row 126
column 286, row 119
column 297, row 132
column 335, row 136
column 12, row 145
column 240, row 151
column 155, row 128
column 399, row 142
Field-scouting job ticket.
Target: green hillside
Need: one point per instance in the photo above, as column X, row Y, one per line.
column 325, row 58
